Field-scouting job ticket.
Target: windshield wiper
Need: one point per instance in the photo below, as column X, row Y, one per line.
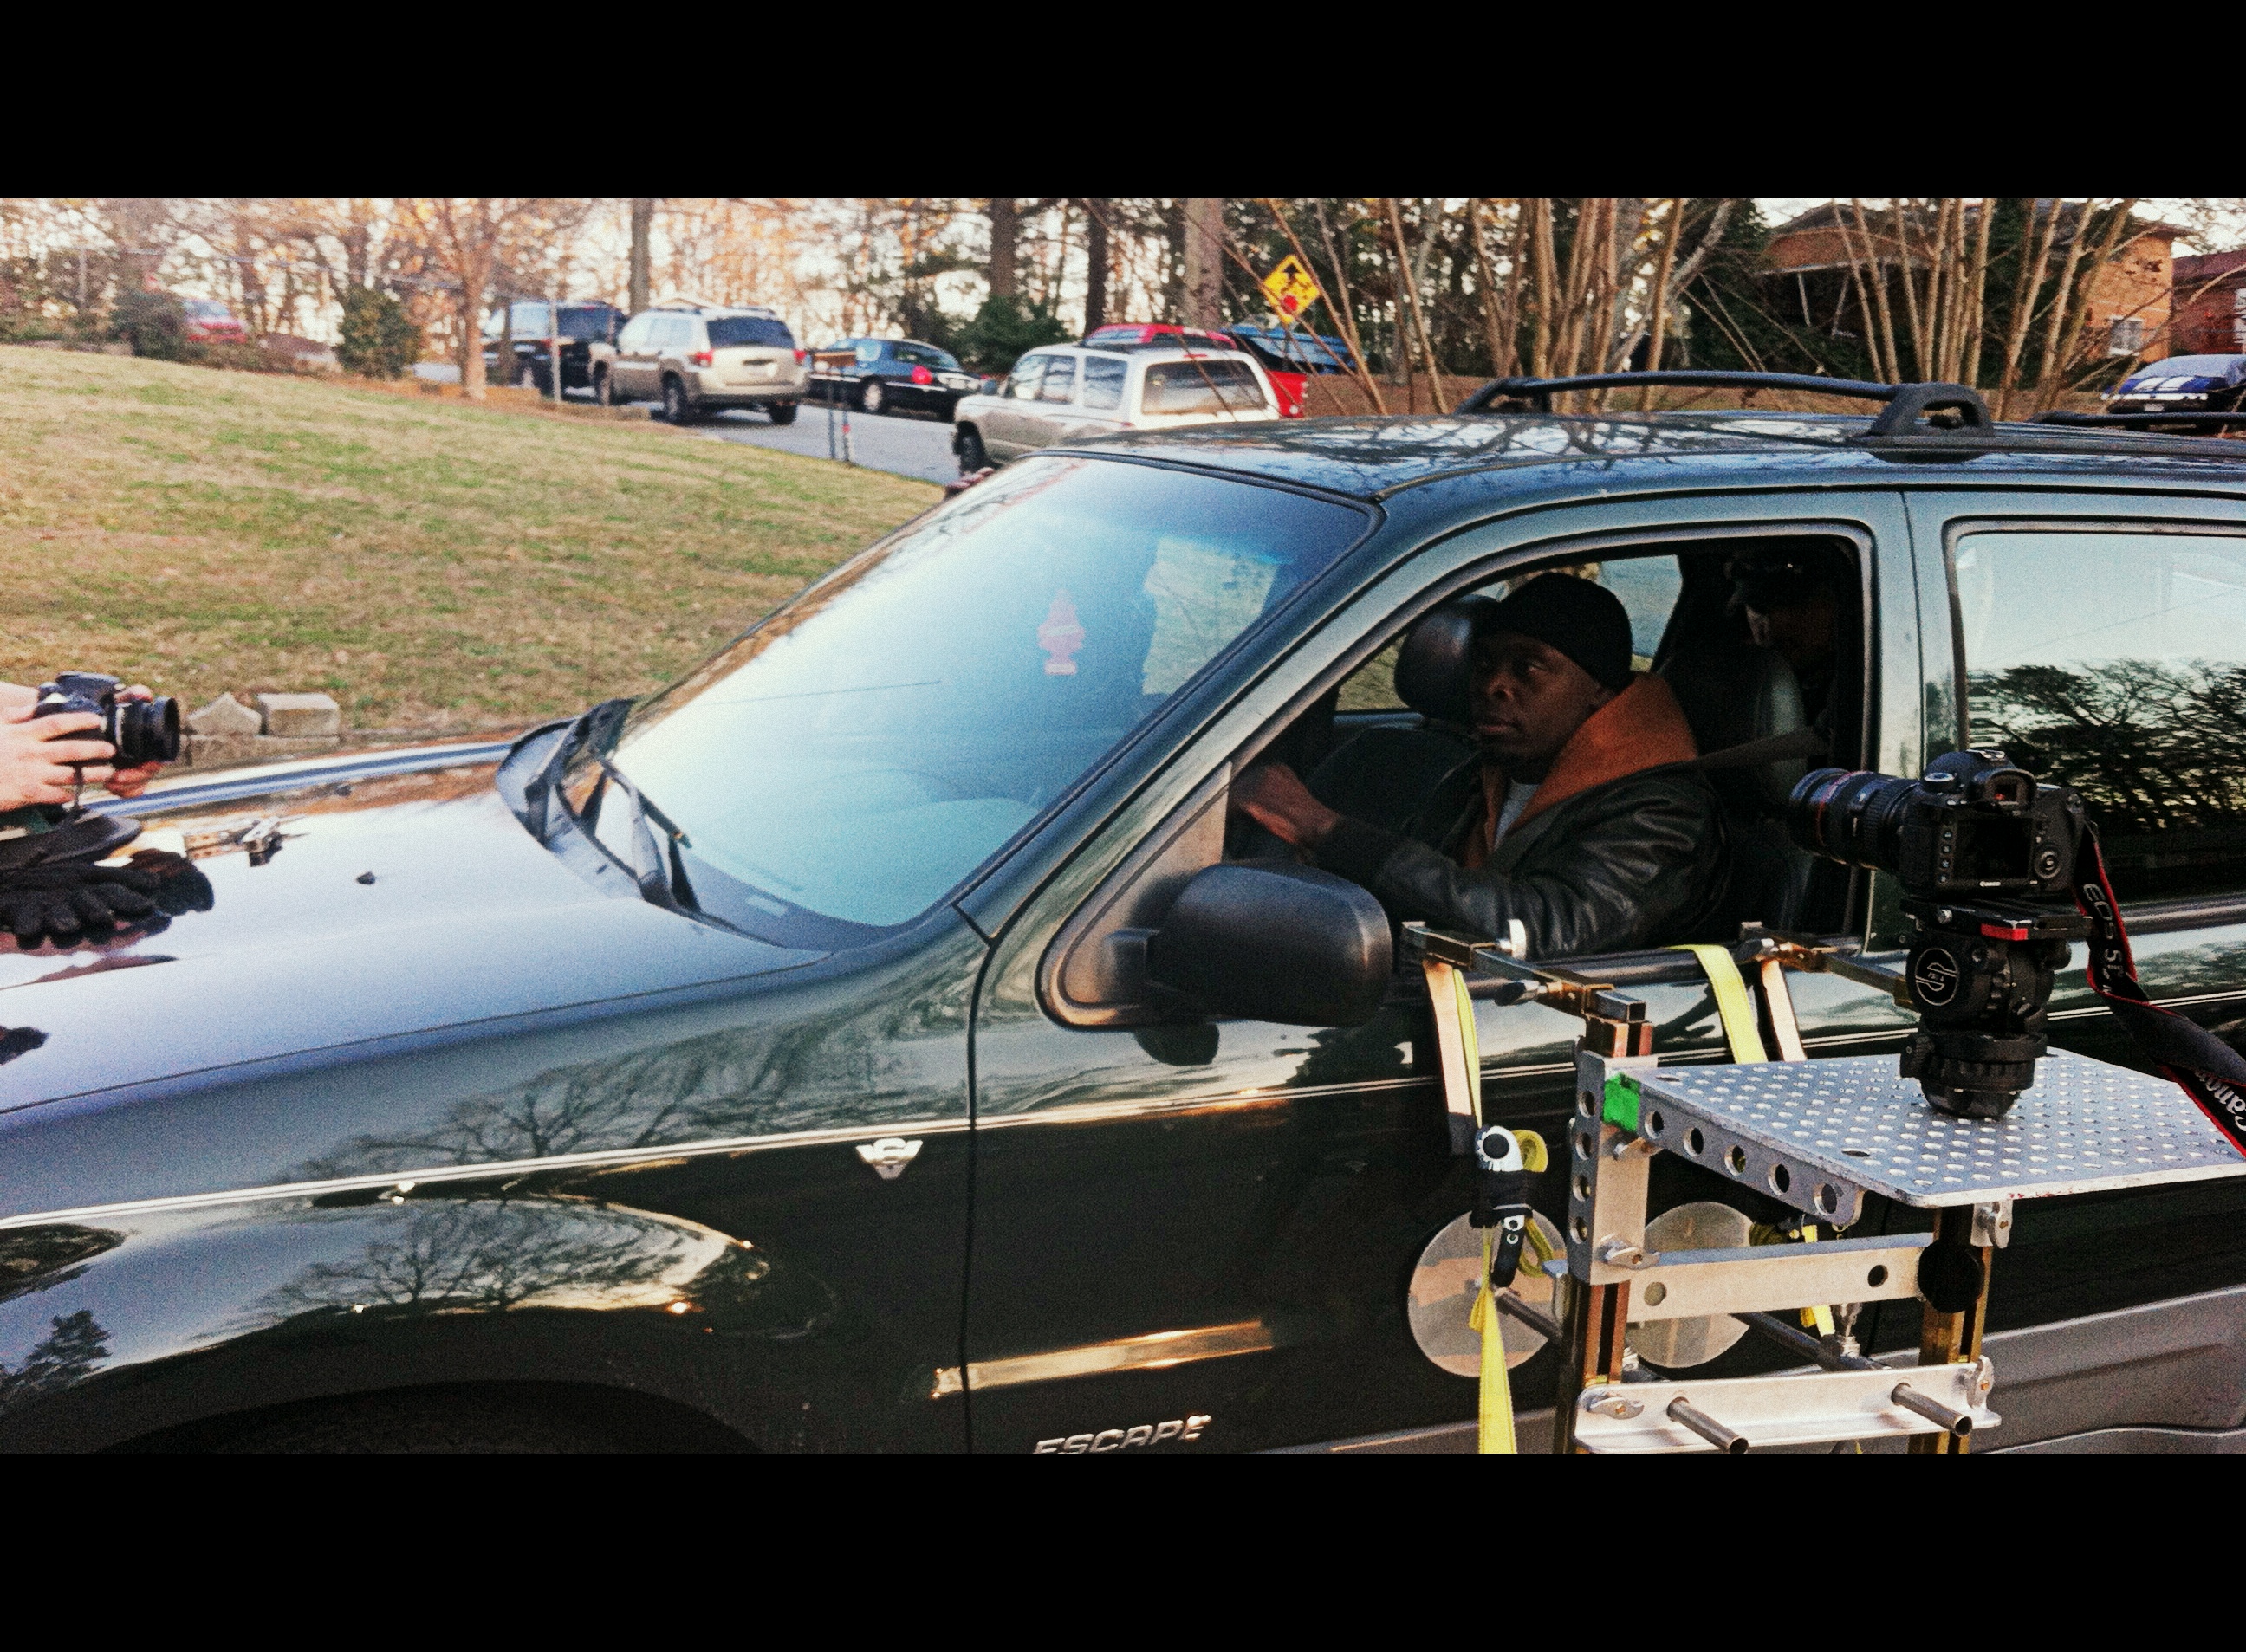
column 594, row 729
column 660, row 872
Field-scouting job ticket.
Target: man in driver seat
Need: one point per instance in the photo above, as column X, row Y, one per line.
column 1574, row 818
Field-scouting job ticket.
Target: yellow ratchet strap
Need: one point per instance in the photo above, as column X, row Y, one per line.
column 1733, row 1004
column 1493, row 1414
column 1459, row 1054
column 1817, row 1318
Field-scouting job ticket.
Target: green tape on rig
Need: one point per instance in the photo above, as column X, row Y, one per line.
column 1621, row 1109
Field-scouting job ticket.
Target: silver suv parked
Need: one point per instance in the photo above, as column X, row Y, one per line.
column 1070, row 394
column 697, row 358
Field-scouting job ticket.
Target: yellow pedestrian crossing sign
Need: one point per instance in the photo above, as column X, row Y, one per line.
column 1291, row 289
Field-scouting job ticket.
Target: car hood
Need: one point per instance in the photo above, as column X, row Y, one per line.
column 396, row 903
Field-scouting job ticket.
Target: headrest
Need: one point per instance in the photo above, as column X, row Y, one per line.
column 1732, row 693
column 1434, row 669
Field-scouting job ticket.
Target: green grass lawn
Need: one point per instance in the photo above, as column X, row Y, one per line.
column 432, row 564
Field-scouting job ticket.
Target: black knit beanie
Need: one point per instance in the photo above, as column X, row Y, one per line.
column 1582, row 621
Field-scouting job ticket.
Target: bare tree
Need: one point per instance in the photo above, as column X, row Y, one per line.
column 1201, row 268
column 470, row 235
column 643, row 221
column 1005, row 247
column 1096, row 260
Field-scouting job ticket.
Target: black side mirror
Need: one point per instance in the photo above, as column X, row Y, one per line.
column 1272, row 941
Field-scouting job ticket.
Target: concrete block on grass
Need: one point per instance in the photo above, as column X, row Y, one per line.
column 225, row 715
column 301, row 715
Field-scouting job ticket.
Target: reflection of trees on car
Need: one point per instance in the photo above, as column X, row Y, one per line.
column 66, row 1355
column 494, row 1256
column 2157, row 750
column 724, row 1084
column 449, row 1255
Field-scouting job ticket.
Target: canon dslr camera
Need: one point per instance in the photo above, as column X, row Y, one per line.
column 142, row 731
column 1977, row 844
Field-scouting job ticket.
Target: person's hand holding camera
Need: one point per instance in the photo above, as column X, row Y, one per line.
column 47, row 759
column 131, row 782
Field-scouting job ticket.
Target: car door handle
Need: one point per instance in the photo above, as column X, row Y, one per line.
column 890, row 1155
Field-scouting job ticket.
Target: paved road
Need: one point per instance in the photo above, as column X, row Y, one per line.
column 908, row 443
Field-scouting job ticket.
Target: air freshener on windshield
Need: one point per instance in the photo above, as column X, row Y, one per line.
column 1060, row 636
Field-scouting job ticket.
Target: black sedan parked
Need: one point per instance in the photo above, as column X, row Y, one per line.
column 893, row 372
column 526, row 330
column 2183, row 384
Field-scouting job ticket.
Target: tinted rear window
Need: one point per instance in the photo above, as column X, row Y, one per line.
column 727, row 332
column 1223, row 386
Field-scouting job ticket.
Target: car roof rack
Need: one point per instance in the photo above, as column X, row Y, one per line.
column 1936, row 420
column 1906, row 403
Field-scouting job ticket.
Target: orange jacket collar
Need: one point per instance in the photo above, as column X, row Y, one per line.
column 1641, row 728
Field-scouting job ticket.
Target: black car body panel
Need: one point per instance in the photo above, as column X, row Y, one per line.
column 494, row 1119
column 910, row 374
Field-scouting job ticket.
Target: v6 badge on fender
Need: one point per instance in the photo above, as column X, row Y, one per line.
column 1124, row 1439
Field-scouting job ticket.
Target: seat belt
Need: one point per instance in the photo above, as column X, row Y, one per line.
column 1508, row 1160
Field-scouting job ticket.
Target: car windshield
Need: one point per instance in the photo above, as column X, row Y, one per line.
column 728, row 332
column 2229, row 368
column 1203, row 387
column 841, row 768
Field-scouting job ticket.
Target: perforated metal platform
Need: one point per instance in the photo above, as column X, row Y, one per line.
column 1830, row 1131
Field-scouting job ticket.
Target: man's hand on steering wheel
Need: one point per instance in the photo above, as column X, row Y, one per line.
column 1274, row 797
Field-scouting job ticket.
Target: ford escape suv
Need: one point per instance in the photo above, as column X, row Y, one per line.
column 593, row 1090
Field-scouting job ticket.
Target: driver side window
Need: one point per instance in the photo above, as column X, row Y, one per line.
column 1647, row 587
column 1365, row 751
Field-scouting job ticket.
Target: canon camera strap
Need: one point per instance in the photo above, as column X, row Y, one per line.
column 2209, row 1071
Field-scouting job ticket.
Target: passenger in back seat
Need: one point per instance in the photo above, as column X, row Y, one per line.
column 1791, row 590
column 1574, row 817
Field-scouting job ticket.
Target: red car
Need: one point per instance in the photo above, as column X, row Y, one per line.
column 210, row 321
column 1288, row 386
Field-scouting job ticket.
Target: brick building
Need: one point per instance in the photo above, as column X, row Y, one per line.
column 1809, row 272
column 2210, row 305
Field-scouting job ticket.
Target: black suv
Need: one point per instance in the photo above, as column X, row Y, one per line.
column 527, row 328
column 653, row 1081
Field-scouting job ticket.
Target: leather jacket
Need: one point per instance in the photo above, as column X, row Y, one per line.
column 1639, row 862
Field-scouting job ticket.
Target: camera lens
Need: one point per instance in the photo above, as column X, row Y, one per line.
column 145, row 731
column 1849, row 815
